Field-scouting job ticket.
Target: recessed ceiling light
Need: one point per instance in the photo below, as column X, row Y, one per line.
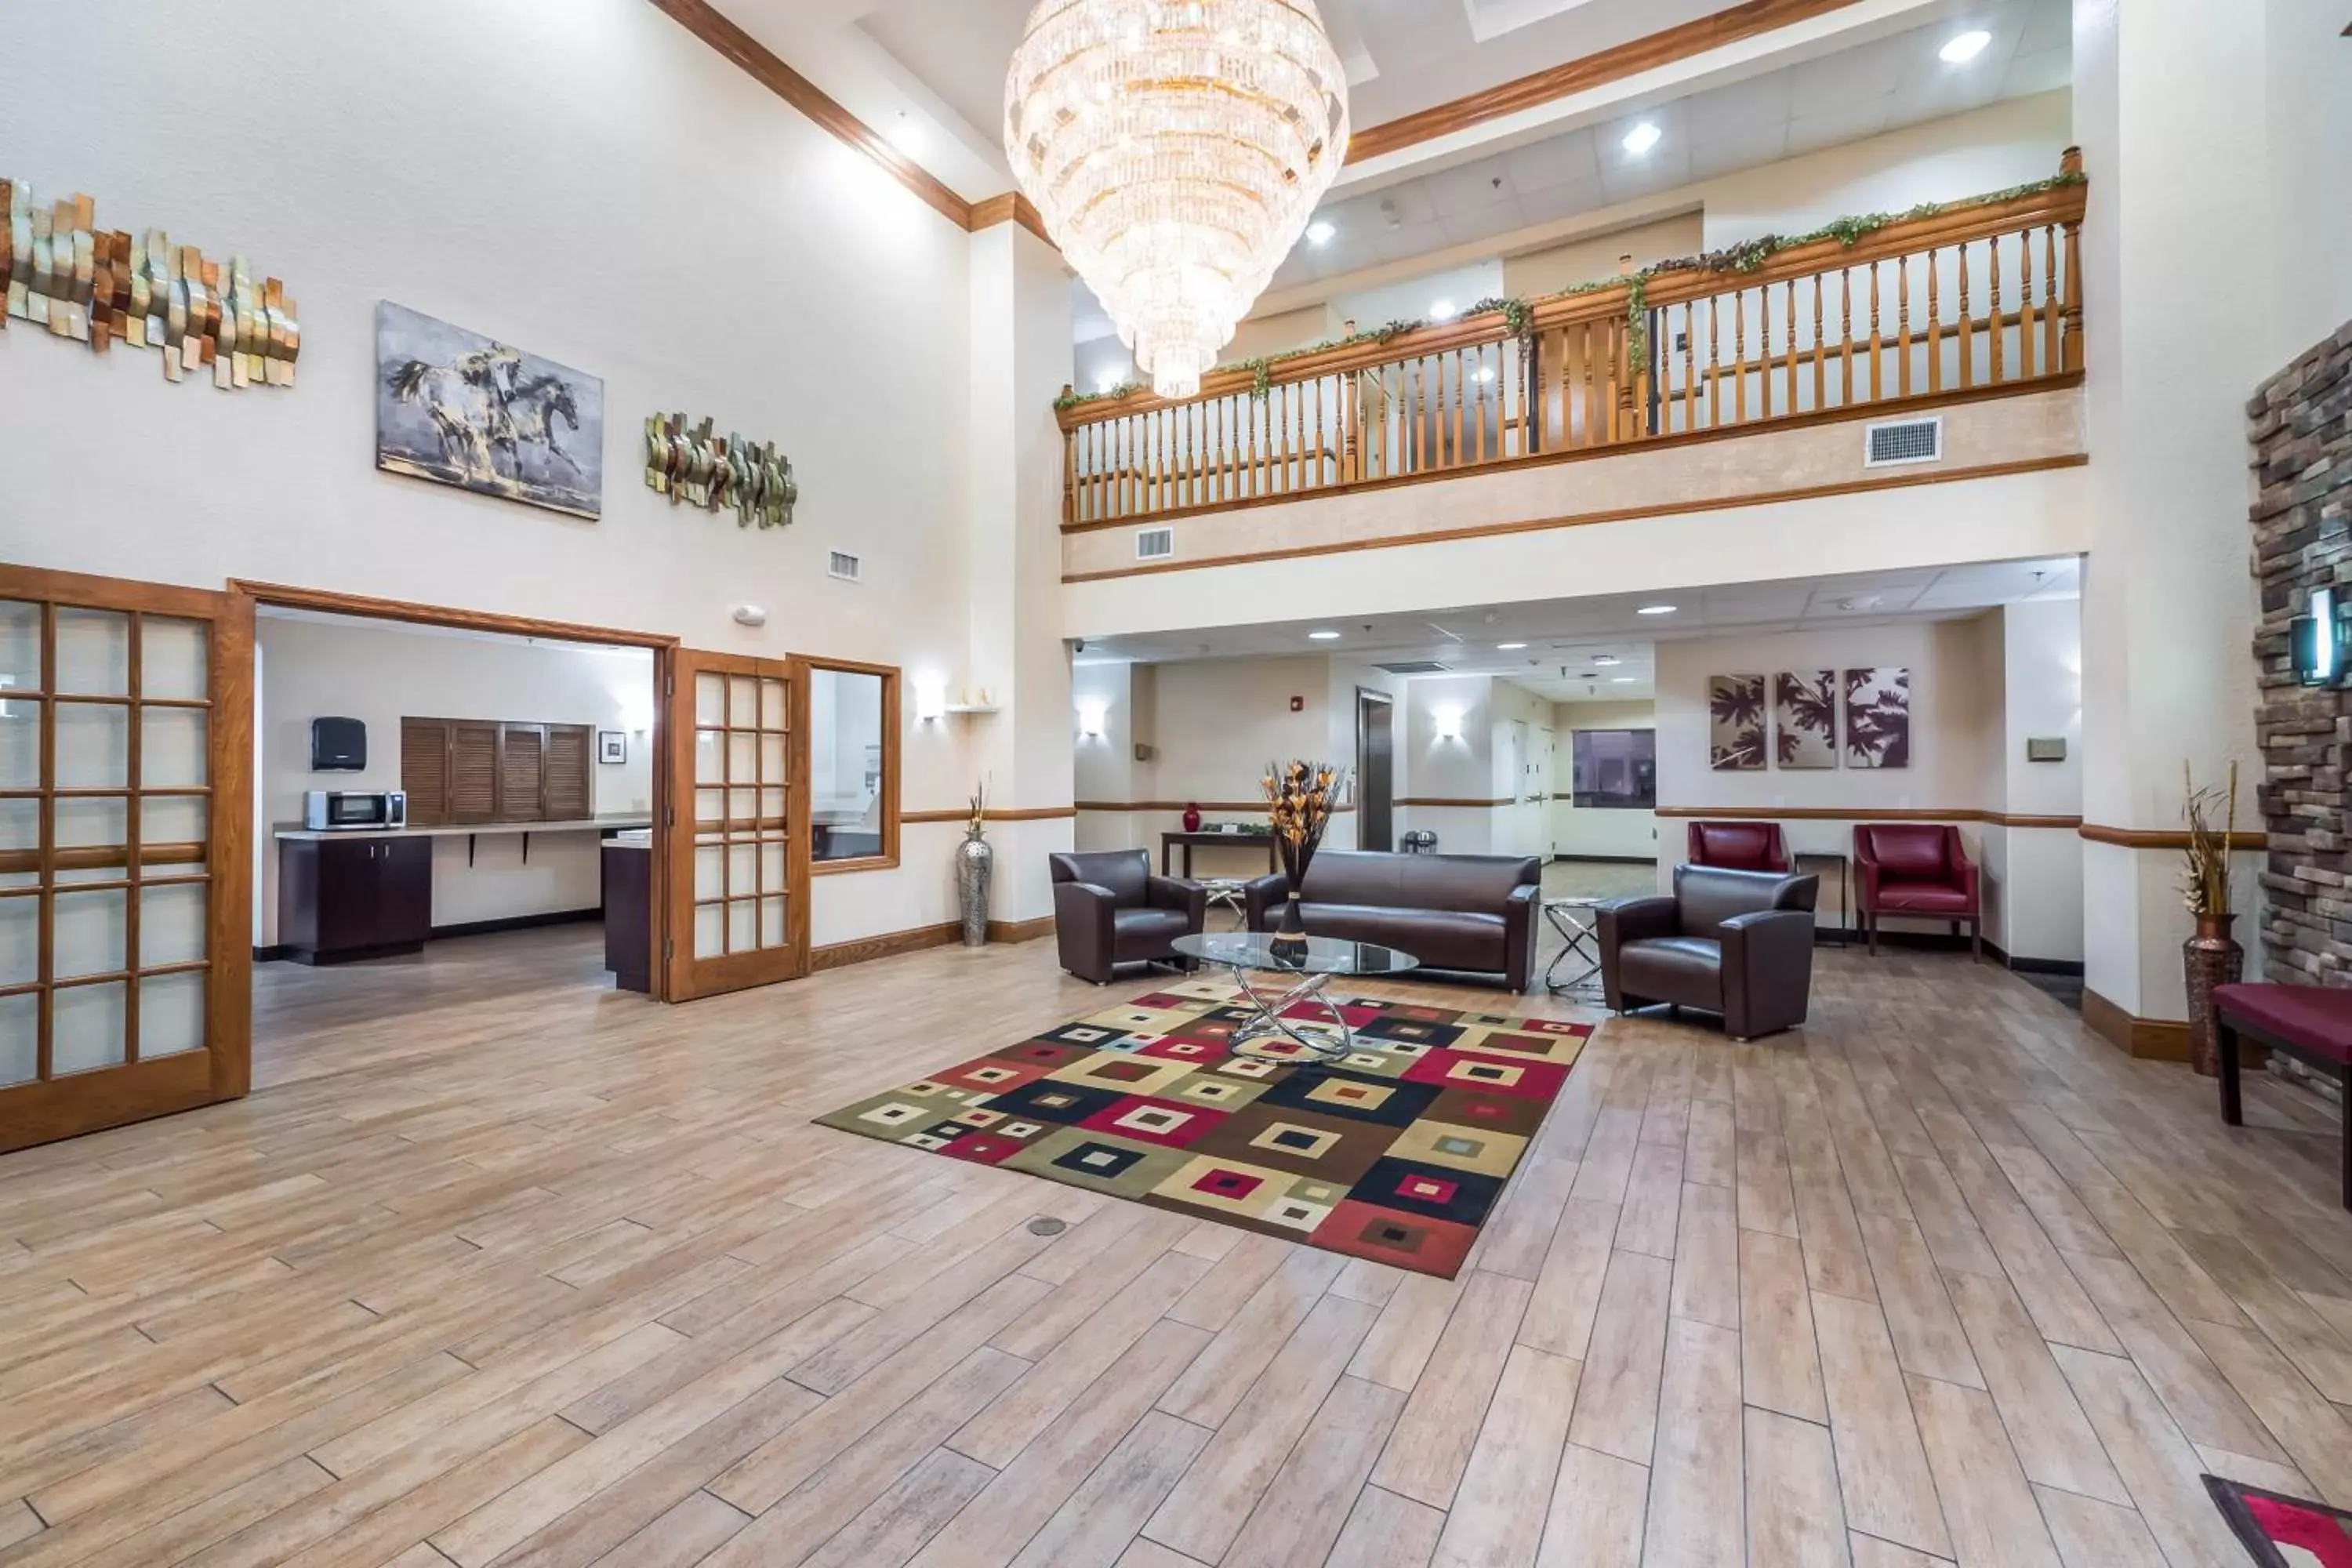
column 1964, row 48
column 1621, row 680
column 1656, row 610
column 1322, row 637
column 1444, row 310
column 1642, row 137
column 1510, row 646
column 1606, row 659
column 1319, row 231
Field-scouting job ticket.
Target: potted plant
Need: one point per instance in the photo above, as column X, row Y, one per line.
column 2211, row 958
column 975, row 860
column 1301, row 797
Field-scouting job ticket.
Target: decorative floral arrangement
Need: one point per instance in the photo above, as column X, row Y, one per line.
column 1301, row 797
column 977, row 827
column 2205, row 875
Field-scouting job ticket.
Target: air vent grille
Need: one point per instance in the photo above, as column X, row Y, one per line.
column 848, row 568
column 1154, row 544
column 1905, row 441
column 1415, row 667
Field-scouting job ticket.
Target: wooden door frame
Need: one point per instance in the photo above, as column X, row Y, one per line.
column 1388, row 700
column 662, row 645
column 894, row 740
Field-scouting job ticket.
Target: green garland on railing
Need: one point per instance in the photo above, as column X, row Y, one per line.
column 1519, row 315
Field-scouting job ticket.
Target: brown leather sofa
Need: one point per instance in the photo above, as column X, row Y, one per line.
column 1470, row 914
column 1109, row 909
column 1735, row 942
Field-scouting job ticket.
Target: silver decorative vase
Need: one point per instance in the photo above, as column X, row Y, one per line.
column 975, row 862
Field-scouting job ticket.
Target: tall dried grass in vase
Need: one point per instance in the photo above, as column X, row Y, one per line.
column 2211, row 958
column 1301, row 797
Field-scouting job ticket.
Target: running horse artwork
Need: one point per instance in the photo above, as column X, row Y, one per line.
column 463, row 409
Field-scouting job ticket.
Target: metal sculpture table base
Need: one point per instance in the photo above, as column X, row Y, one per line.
column 1322, row 1041
column 1581, row 945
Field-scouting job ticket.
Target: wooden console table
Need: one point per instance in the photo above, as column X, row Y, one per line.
column 1169, row 842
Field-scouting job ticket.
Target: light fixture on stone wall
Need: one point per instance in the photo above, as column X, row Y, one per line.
column 2319, row 640
column 1176, row 149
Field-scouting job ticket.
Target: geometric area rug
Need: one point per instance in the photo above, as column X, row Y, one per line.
column 1396, row 1152
column 2281, row 1531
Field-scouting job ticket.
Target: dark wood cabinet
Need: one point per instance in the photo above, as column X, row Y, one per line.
column 461, row 772
column 628, row 915
column 341, row 899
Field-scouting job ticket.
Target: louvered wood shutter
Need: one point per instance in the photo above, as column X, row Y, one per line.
column 569, row 793
column 424, row 770
column 473, row 771
column 522, row 754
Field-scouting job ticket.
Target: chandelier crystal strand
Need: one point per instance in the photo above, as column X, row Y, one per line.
column 1176, row 149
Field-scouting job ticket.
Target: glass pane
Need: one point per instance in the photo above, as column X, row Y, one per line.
column 710, row 699
column 741, row 806
column 710, row 872
column 846, row 744
column 772, row 922
column 20, row 1037
column 709, row 805
column 709, row 756
column 743, row 868
column 93, row 745
column 711, row 932
column 20, row 645
column 742, row 759
column 771, row 759
column 742, row 925
column 93, row 824
column 85, row 1027
column 171, row 927
column 172, row 753
column 20, row 843
column 93, row 652
column 772, row 866
column 20, row 744
column 20, row 941
column 172, row 820
column 175, row 661
column 772, row 806
column 88, row 938
column 775, row 705
column 743, row 702
column 170, row 1014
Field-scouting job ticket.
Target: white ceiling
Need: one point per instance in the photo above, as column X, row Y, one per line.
column 1567, row 638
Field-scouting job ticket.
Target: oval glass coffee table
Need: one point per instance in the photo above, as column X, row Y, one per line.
column 1312, row 961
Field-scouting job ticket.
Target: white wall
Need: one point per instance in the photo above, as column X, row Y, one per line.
column 1608, row 833
column 542, row 174
column 312, row 669
column 2041, row 675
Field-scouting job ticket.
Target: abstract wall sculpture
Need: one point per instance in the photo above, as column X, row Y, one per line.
column 1735, row 714
column 466, row 410
column 1878, row 718
column 1804, row 718
column 100, row 287
column 695, row 467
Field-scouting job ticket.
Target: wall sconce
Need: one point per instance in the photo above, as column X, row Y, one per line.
column 1449, row 723
column 931, row 700
column 1090, row 719
column 2317, row 640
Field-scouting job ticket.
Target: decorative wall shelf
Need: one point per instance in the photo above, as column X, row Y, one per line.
column 971, row 707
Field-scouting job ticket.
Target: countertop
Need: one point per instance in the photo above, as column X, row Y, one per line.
column 293, row 833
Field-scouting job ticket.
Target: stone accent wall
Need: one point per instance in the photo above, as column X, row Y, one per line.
column 2300, row 429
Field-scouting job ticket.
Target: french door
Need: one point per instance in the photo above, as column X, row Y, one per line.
column 126, row 756
column 738, row 823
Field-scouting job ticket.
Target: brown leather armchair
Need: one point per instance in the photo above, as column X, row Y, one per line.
column 1735, row 942
column 1109, row 909
column 1738, row 846
column 1916, row 869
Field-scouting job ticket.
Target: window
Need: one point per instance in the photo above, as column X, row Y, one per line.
column 1616, row 768
column 853, row 728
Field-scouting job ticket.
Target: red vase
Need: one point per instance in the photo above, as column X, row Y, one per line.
column 1192, row 818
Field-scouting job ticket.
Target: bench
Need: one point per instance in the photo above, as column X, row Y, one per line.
column 2312, row 1024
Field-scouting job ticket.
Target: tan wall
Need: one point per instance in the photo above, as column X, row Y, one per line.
column 1559, row 266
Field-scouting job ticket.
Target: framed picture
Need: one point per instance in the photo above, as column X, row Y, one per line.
column 1804, row 718
column 611, row 746
column 1878, row 718
column 462, row 409
column 1734, row 712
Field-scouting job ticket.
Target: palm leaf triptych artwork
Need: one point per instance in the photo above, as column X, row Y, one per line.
column 1798, row 727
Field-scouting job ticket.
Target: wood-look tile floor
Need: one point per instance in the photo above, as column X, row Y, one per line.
column 497, row 1266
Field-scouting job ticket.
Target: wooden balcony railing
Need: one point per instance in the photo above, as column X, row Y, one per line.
column 1972, row 297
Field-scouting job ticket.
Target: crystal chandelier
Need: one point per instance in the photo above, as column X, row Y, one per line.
column 1175, row 148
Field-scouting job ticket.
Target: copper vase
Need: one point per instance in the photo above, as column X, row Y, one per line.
column 2210, row 958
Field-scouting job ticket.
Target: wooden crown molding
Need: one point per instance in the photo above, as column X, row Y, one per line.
column 1010, row 208
column 1649, row 52
column 331, row 602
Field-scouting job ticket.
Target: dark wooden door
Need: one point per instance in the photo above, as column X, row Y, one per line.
column 1375, row 771
column 126, row 867
column 346, row 893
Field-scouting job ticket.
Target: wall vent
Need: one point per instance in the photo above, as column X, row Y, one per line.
column 1154, row 544
column 1903, row 441
column 1413, row 667
column 845, row 567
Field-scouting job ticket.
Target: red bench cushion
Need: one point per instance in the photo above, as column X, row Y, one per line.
column 2318, row 1018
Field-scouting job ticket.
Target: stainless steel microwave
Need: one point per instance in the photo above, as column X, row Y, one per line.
column 330, row 810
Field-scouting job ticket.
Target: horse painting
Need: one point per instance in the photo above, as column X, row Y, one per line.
column 457, row 407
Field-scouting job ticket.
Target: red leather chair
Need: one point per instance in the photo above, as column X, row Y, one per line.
column 1738, row 846
column 1916, row 869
